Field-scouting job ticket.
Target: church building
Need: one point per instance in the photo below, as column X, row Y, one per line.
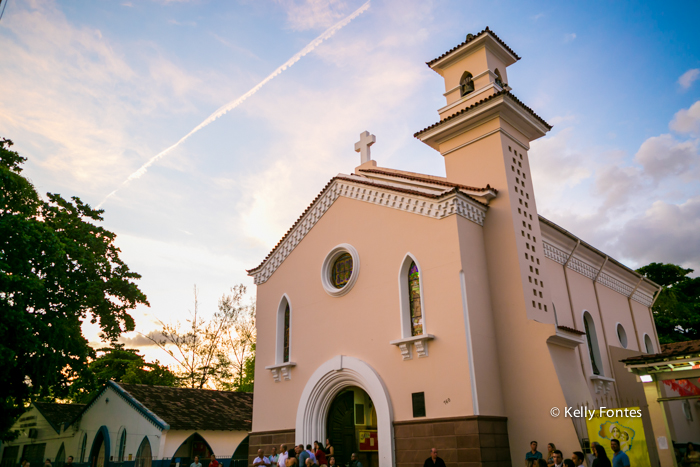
column 454, row 316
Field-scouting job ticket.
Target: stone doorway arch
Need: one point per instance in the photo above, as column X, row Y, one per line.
column 325, row 383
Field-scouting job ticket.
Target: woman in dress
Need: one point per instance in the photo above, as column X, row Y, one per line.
column 550, row 454
column 601, row 457
column 292, row 459
column 320, row 455
column 329, row 448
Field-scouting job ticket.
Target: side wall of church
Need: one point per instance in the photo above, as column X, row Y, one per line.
column 364, row 321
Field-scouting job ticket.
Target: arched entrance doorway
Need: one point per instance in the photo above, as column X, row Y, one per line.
column 144, row 454
column 352, row 427
column 99, row 456
column 193, row 446
column 317, row 410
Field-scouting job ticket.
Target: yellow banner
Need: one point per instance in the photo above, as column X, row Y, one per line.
column 624, row 425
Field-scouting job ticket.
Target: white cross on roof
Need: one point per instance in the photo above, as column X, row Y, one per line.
column 362, row 146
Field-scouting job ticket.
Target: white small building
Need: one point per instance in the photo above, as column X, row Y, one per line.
column 133, row 425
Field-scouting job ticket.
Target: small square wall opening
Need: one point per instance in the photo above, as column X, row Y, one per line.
column 418, row 399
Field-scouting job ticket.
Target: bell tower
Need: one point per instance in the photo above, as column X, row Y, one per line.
column 484, row 135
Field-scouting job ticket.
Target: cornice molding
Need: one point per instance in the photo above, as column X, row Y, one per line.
column 452, row 202
column 597, row 274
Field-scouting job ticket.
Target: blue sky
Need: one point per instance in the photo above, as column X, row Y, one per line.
column 91, row 91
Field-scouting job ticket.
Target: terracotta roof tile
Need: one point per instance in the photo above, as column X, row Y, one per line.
column 571, row 330
column 58, row 414
column 483, row 101
column 356, row 179
column 470, row 39
column 669, row 351
column 428, row 180
column 196, row 409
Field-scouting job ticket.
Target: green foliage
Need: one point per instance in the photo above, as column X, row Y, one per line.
column 677, row 310
column 213, row 353
column 121, row 365
column 247, row 376
column 56, row 269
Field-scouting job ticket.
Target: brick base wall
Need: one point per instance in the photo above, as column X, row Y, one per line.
column 461, row 441
column 267, row 439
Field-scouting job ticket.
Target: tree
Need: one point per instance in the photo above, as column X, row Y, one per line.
column 199, row 348
column 241, row 340
column 677, row 309
column 121, row 365
column 56, row 268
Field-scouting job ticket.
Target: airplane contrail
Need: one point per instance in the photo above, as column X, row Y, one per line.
column 235, row 103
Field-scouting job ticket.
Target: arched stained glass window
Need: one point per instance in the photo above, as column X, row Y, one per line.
column 286, row 334
column 342, row 270
column 414, row 299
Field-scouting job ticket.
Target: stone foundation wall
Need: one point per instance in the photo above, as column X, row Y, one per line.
column 266, row 440
column 475, row 441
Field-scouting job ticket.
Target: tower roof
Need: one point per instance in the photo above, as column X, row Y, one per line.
column 473, row 39
column 484, row 101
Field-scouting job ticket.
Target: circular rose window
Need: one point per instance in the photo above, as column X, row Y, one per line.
column 340, row 270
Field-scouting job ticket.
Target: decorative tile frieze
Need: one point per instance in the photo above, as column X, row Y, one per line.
column 590, row 271
column 454, row 203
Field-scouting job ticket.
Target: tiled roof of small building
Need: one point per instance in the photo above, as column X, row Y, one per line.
column 470, row 38
column 195, row 409
column 58, row 414
column 673, row 351
column 483, row 101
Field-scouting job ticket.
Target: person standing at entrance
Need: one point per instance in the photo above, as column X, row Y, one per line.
column 558, row 458
column 196, row 462
column 261, row 459
column 619, row 459
column 577, row 457
column 434, row 460
column 282, row 459
column 320, row 455
column 213, row 462
column 302, row 455
column 273, row 457
column 354, row 461
column 69, row 462
column 533, row 453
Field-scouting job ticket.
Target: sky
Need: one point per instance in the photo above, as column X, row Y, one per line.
column 90, row 92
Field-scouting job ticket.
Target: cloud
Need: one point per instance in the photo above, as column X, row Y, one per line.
column 688, row 78
column 569, row 37
column 313, row 14
column 83, row 98
column 537, row 16
column 687, row 120
column 136, row 339
column 664, row 156
column 664, row 233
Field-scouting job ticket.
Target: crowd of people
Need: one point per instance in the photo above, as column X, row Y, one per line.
column 555, row 458
column 318, row 455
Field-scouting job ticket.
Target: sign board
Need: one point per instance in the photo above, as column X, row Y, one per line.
column 609, row 424
column 368, row 440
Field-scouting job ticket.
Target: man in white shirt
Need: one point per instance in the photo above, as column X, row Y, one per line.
column 261, row 459
column 282, row 459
